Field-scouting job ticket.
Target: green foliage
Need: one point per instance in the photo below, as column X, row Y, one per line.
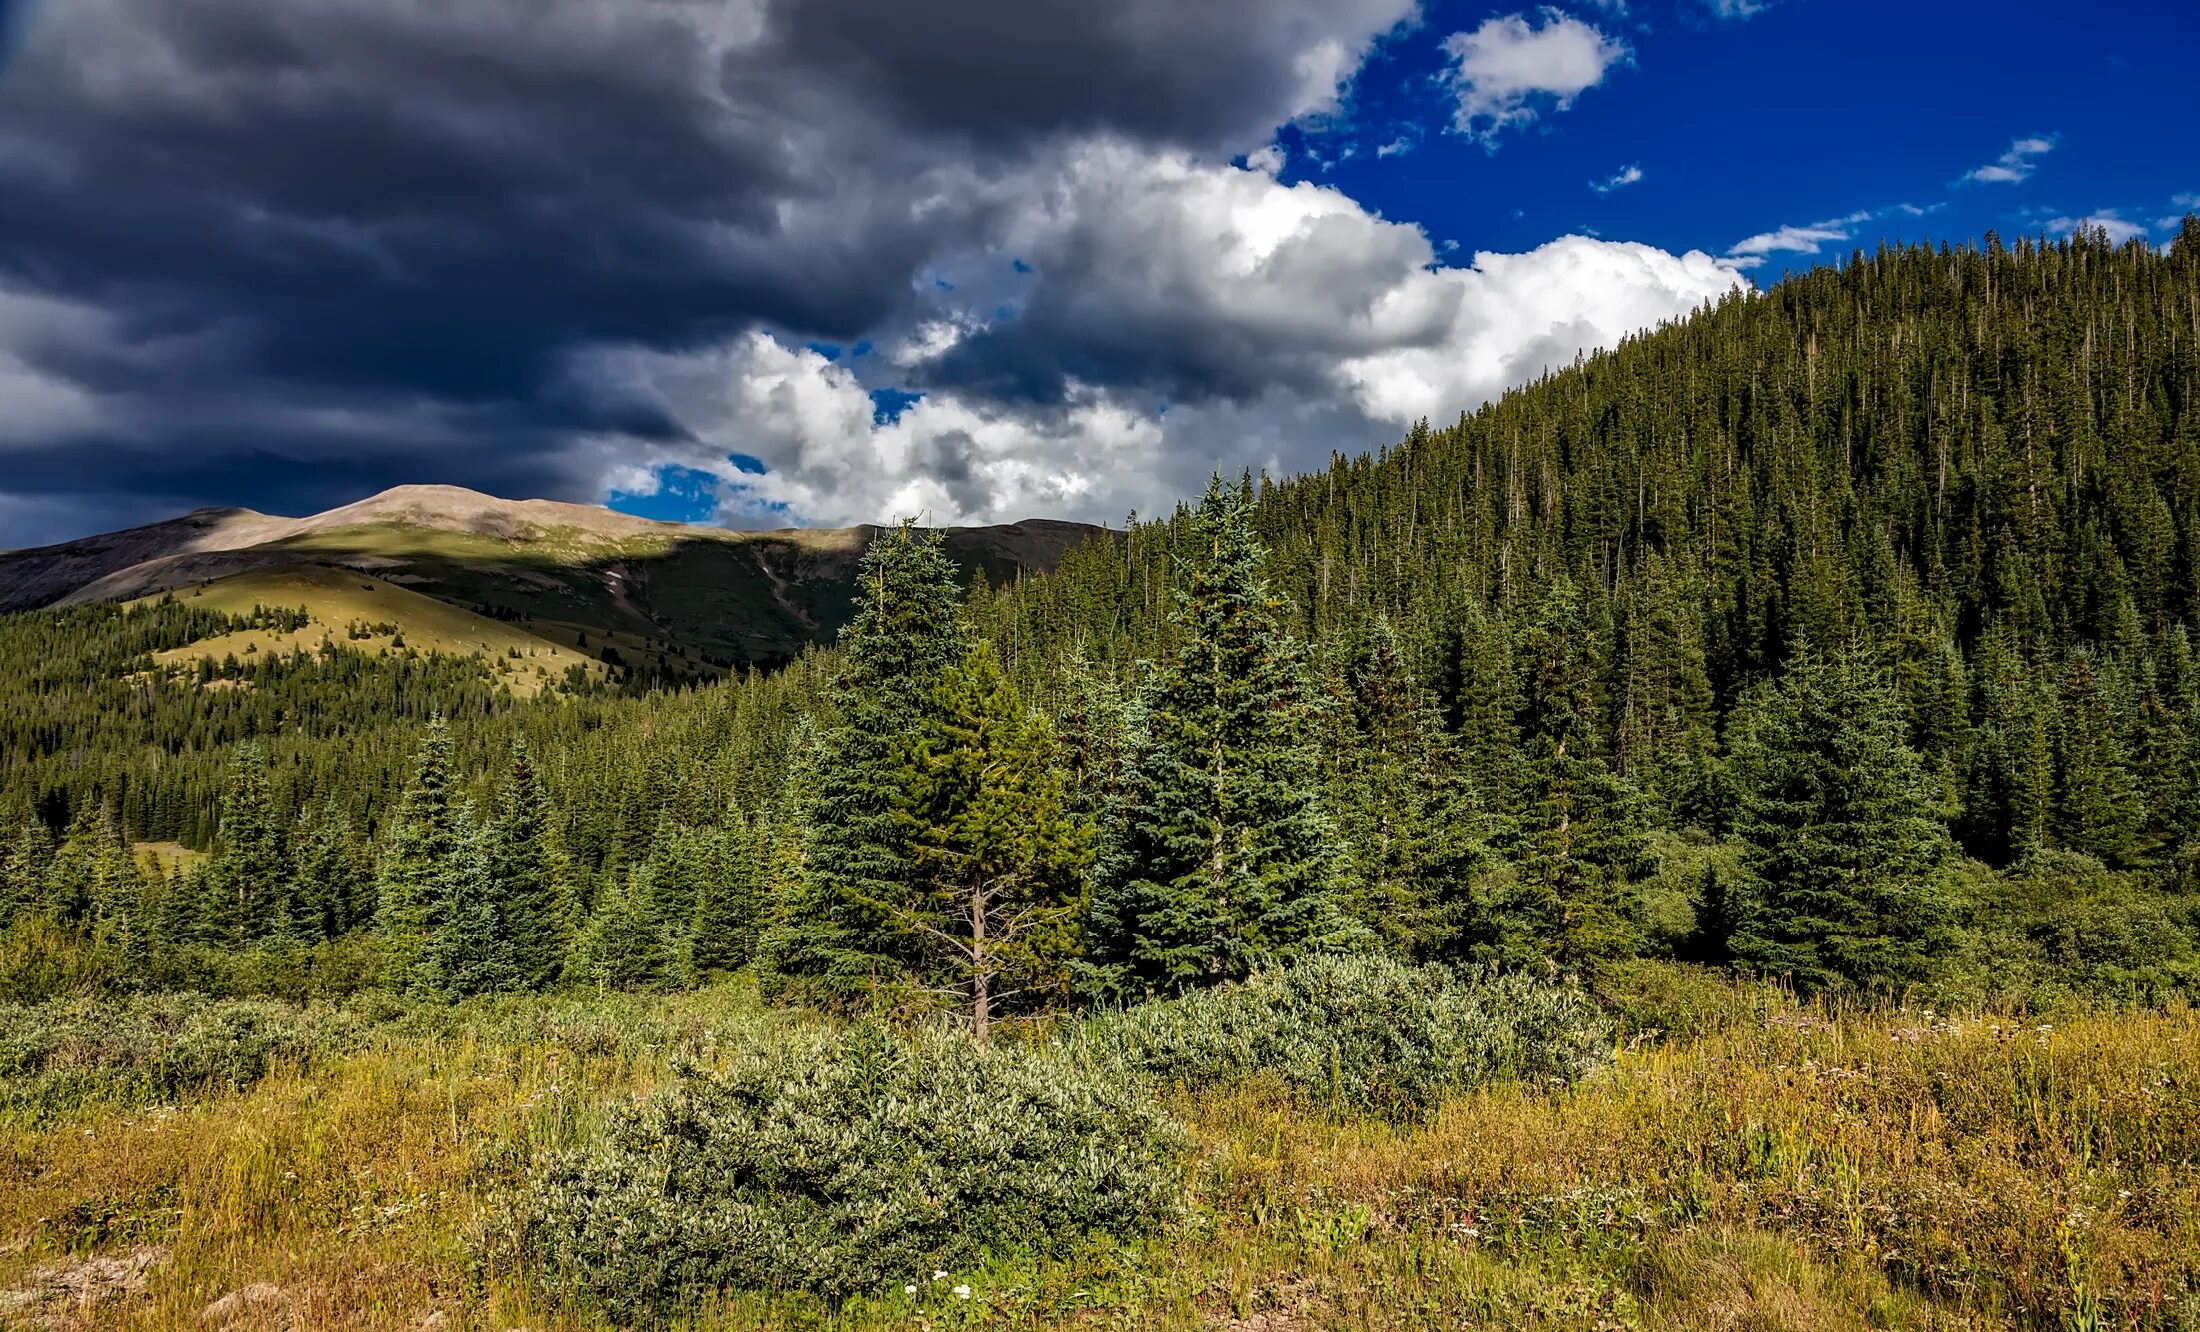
column 847, row 1165
column 66, row 1054
column 1364, row 1035
column 1222, row 858
column 833, row 941
column 997, row 859
column 1844, row 885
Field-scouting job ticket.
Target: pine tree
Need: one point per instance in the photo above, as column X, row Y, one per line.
column 729, row 904
column 1403, row 805
column 830, row 940
column 998, row 859
column 1579, row 832
column 1228, row 861
column 1845, row 847
column 250, row 872
column 526, row 874
column 332, row 886
column 471, row 950
column 430, row 847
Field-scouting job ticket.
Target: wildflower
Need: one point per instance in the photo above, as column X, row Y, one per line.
column 939, row 1275
column 962, row 1292
column 909, row 1289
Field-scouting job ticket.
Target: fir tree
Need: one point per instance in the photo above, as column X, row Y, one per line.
column 830, row 939
column 998, row 859
column 250, row 873
column 1844, row 844
column 1403, row 805
column 1227, row 862
column 1579, row 832
column 428, row 849
column 729, row 903
column 526, row 875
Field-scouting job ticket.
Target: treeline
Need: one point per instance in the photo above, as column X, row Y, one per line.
column 1841, row 632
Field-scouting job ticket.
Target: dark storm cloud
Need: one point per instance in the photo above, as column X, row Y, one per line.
column 365, row 236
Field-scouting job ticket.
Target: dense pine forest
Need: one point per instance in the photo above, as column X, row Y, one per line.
column 1840, row 634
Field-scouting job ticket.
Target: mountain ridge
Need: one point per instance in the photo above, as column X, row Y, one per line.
column 729, row 597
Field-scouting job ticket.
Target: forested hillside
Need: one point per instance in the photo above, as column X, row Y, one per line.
column 1841, row 632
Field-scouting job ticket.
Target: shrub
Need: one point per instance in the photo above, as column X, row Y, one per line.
column 1682, row 1000
column 1360, row 1034
column 59, row 1055
column 843, row 1164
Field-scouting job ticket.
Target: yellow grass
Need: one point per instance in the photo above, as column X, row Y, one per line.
column 336, row 598
column 1805, row 1172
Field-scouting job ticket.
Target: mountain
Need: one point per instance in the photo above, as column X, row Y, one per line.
column 576, row 575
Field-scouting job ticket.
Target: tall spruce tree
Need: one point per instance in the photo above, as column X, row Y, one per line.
column 526, row 872
column 471, row 950
column 998, row 858
column 1579, row 831
column 1227, row 861
column 1403, row 805
column 430, row 846
column 729, row 905
column 250, row 872
column 831, row 941
column 1845, row 846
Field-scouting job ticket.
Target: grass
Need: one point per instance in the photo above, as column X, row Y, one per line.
column 338, row 598
column 1791, row 1168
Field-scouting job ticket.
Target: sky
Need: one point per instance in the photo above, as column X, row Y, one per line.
column 813, row 262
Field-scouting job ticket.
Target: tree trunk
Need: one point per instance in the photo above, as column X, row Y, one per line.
column 981, row 1001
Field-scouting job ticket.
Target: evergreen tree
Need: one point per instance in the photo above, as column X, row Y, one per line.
column 472, row 949
column 1845, row 848
column 526, row 875
column 998, row 859
column 729, row 904
column 1227, row 862
column 332, row 886
column 430, row 847
column 250, row 873
column 1403, row 805
column 1579, row 832
column 831, row 941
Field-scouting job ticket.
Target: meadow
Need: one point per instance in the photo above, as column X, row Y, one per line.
column 1725, row 1158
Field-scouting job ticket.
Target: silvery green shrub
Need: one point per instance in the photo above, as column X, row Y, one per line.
column 1363, row 1034
column 140, row 1049
column 844, row 1164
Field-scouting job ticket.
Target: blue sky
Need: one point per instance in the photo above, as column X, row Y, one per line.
column 770, row 262
column 1801, row 112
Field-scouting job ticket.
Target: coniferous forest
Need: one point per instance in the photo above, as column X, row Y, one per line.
column 1422, row 878
column 1841, row 634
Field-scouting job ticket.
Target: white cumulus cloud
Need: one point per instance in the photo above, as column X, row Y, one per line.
column 1290, row 320
column 1508, row 72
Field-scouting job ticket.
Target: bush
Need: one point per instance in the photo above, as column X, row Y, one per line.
column 1682, row 1000
column 1360, row 1034
column 2061, row 930
column 841, row 1165
column 59, row 1055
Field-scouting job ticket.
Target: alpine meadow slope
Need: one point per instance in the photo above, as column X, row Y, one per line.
column 1709, row 839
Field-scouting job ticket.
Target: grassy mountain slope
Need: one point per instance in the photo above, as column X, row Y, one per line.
column 367, row 614
column 687, row 599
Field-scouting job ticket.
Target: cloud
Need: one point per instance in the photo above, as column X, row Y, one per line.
column 1730, row 10
column 1507, row 73
column 2104, row 220
column 1274, row 324
column 1618, row 180
column 2015, row 166
column 549, row 246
